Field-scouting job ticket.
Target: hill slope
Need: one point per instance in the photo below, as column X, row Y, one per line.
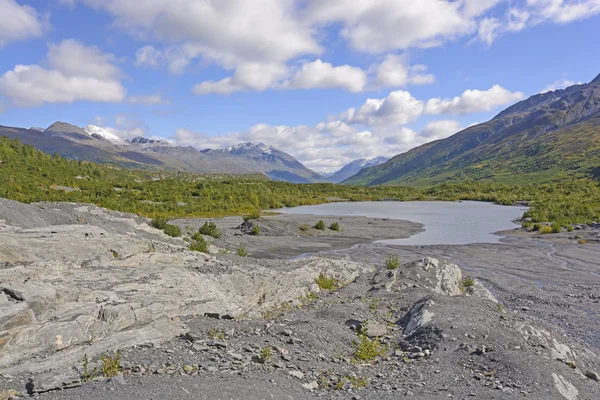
column 548, row 137
column 98, row 145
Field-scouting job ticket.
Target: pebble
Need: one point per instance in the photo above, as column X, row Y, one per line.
column 296, row 374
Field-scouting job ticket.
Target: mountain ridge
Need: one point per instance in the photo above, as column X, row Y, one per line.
column 96, row 144
column 355, row 166
column 549, row 136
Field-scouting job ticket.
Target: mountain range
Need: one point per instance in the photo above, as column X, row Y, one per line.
column 548, row 137
column 354, row 167
column 93, row 143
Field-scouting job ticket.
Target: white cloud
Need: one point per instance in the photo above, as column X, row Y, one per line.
column 319, row 74
column 148, row 55
column 472, row 101
column 247, row 76
column 147, row 100
column 77, row 73
column 559, row 84
column 441, row 129
column 377, row 26
column 488, row 30
column 20, row 22
column 394, row 71
column 563, row 11
column 398, row 108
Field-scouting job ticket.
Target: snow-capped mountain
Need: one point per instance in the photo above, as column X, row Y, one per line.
column 103, row 133
column 354, row 167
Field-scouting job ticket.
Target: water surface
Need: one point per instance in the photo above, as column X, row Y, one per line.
column 445, row 222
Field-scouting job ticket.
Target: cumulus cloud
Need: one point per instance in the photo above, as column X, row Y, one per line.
column 20, row 22
column 472, row 101
column 398, row 108
column 77, row 73
column 147, row 100
column 395, row 71
column 441, row 129
column 559, row 84
column 319, row 74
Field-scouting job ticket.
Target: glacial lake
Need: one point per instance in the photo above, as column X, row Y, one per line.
column 445, row 222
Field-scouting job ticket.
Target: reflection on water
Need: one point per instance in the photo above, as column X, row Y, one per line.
column 445, row 222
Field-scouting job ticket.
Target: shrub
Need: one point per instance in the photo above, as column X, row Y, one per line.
column 326, row 282
column 111, row 366
column 335, row 227
column 546, row 230
column 241, row 251
column 570, row 228
column 199, row 244
column 366, row 349
column 320, row 225
column 582, row 241
column 526, row 224
column 537, row 227
column 468, row 282
column 265, row 353
column 304, row 228
column 256, row 214
column 255, row 231
column 556, row 227
column 171, row 230
column 210, row 229
column 392, row 262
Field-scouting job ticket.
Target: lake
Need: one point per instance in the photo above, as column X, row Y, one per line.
column 445, row 222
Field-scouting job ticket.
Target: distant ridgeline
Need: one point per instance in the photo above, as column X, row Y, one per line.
column 29, row 175
column 549, row 137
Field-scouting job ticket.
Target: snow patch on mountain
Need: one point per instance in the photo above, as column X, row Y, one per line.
column 106, row 134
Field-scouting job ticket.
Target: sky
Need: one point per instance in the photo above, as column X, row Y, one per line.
column 326, row 81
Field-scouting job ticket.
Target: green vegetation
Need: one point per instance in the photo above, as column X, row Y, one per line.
column 320, row 225
column 467, row 284
column 266, row 354
column 392, row 262
column 526, row 225
column 163, row 225
column 241, row 251
column 114, row 254
column 111, row 366
column 255, row 230
column 253, row 215
column 326, row 283
column 210, row 229
column 537, row 227
column 546, row 230
column 216, row 334
column 199, row 244
column 556, row 228
column 335, row 227
column 304, row 228
column 366, row 349
column 87, row 375
column 29, row 175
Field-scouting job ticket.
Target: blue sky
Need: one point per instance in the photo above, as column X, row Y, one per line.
column 326, row 81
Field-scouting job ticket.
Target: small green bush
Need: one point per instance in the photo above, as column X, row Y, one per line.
column 256, row 214
column 255, row 231
column 265, row 353
column 392, row 262
column 537, row 227
column 163, row 225
column 335, row 227
column 320, row 225
column 111, row 366
column 366, row 349
column 326, row 282
column 210, row 229
column 546, row 230
column 158, row 223
column 570, row 228
column 199, row 244
column 241, row 251
column 468, row 282
column 556, row 227
column 526, row 224
column 304, row 228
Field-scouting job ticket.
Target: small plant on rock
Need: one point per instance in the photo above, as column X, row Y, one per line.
column 216, row 334
column 199, row 244
column 111, row 366
column 467, row 284
column 163, row 225
column 556, row 227
column 392, row 262
column 87, row 375
column 255, row 230
column 325, row 282
column 210, row 229
column 114, row 254
column 265, row 354
column 241, row 251
column 366, row 349
column 335, row 227
column 320, row 225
